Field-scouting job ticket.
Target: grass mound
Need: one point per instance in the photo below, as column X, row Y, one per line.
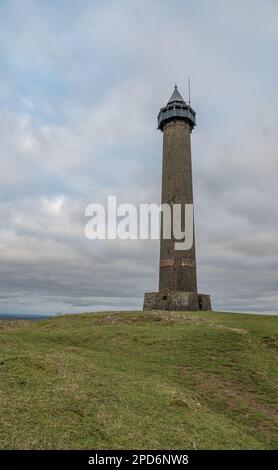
column 155, row 380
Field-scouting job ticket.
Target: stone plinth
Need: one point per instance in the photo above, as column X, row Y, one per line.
column 178, row 301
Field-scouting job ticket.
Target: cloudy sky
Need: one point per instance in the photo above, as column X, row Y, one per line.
column 81, row 84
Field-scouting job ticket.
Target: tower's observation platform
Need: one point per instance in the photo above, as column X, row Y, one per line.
column 176, row 109
column 177, row 270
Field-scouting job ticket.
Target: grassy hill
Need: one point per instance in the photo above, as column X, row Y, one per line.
column 140, row 380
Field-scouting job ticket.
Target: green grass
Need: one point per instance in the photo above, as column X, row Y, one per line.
column 126, row 380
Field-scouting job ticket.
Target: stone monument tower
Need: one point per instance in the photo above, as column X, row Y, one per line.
column 177, row 272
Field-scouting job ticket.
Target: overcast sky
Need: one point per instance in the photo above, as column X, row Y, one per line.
column 81, row 84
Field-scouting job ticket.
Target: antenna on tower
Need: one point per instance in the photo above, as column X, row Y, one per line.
column 189, row 92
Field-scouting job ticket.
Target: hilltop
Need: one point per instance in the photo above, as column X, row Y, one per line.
column 193, row 380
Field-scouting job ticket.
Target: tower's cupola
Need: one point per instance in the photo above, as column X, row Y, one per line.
column 176, row 96
column 176, row 108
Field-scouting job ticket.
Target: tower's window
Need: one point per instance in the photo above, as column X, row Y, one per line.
column 164, row 297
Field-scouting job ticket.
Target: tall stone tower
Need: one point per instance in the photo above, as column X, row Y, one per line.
column 177, row 271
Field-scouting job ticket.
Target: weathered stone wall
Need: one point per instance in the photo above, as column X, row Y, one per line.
column 176, row 301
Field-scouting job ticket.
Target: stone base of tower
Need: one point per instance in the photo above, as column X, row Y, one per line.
column 178, row 301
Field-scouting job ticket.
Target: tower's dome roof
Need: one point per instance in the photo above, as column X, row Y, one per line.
column 176, row 96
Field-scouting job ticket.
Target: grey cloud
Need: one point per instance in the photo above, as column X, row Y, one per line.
column 79, row 96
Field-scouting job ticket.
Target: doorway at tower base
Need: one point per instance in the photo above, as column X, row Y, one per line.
column 178, row 301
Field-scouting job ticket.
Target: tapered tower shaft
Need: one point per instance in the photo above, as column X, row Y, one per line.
column 177, row 267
